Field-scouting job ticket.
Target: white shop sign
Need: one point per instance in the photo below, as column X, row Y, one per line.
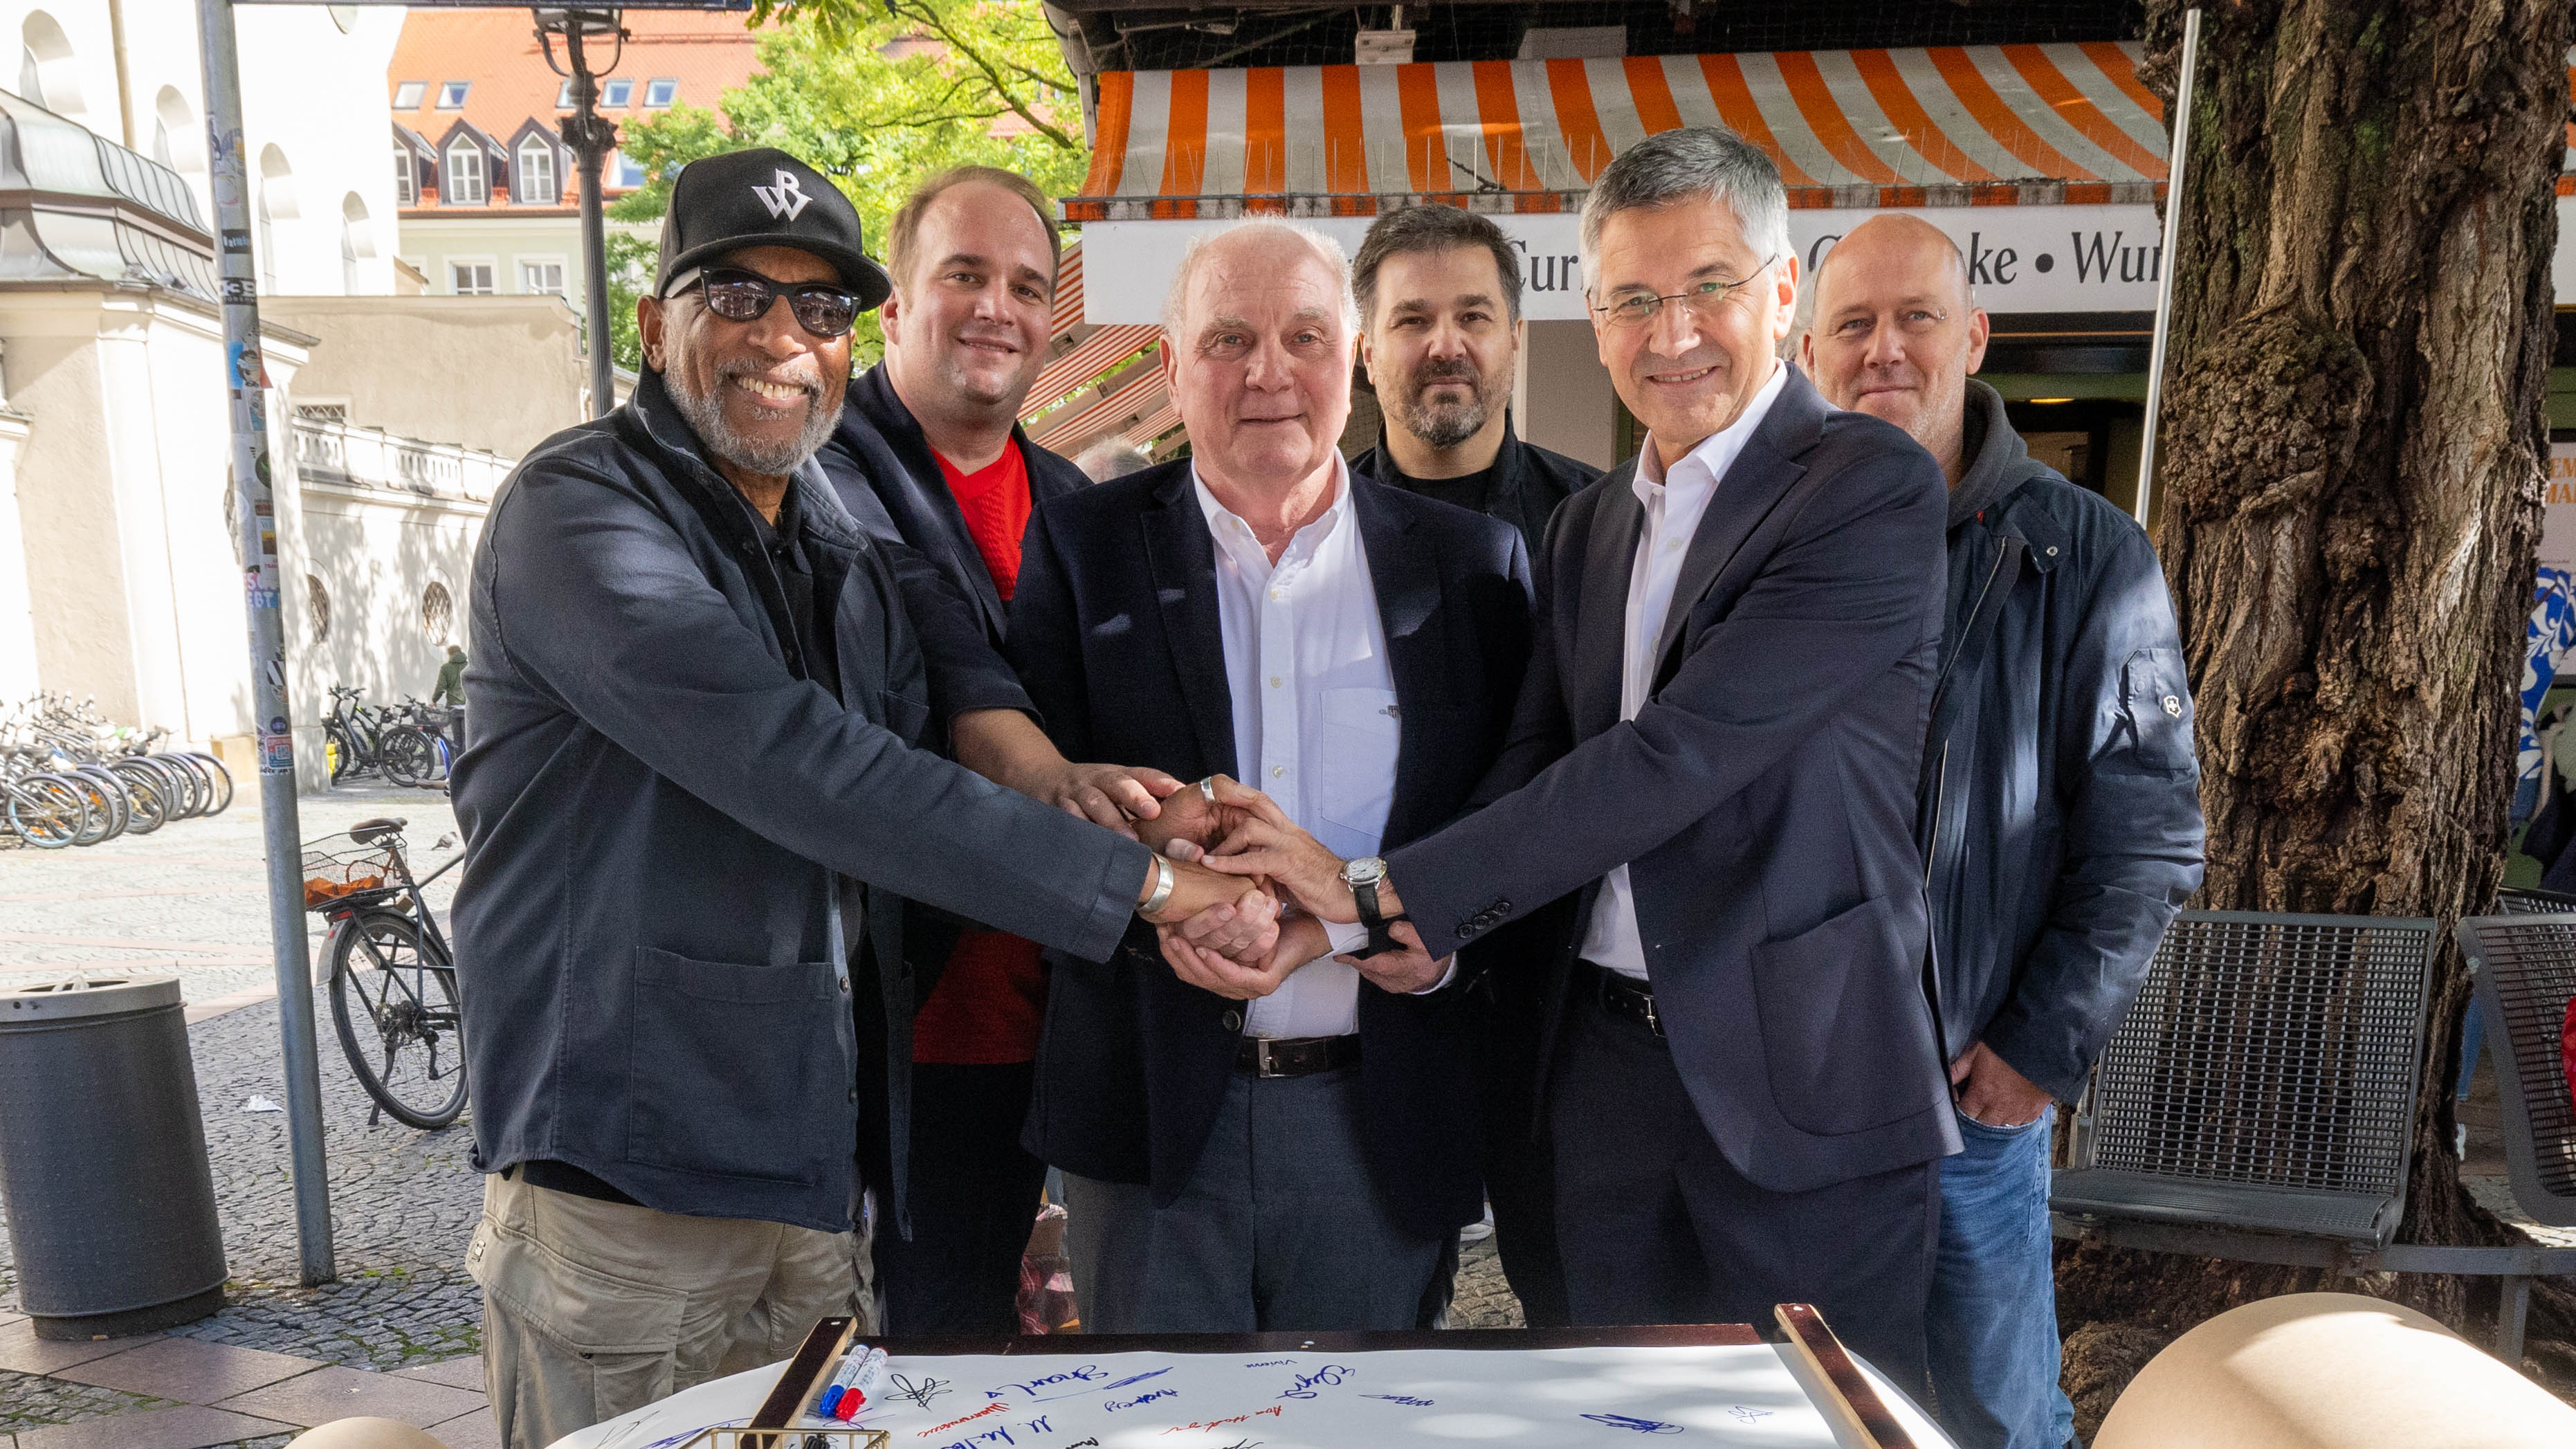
column 2021, row 258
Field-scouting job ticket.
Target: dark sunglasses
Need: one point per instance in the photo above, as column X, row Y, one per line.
column 737, row 295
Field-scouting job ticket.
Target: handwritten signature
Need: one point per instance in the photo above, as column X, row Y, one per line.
column 1082, row 1375
column 1271, row 1363
column 983, row 1412
column 1114, row 1405
column 1272, row 1411
column 1405, row 1399
column 1330, row 1376
column 1743, row 1415
column 1642, row 1426
column 918, row 1394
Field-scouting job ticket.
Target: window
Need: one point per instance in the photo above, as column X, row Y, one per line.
column 407, row 95
column 659, row 93
column 563, row 95
column 464, row 173
column 623, row 172
column 174, row 127
column 317, row 603
column 471, row 279
column 48, row 72
column 406, row 179
column 437, row 612
column 616, row 92
column 451, row 95
column 535, row 183
column 357, row 241
column 536, row 278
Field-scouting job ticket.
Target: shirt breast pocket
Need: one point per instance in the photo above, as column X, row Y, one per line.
column 1358, row 735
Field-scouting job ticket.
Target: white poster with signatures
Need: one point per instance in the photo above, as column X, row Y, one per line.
column 1721, row 1395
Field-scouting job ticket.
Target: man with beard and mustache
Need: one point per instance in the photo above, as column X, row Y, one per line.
column 1440, row 310
column 928, row 452
column 1439, row 291
column 696, row 803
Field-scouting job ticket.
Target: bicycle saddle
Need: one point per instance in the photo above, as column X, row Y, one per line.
column 376, row 831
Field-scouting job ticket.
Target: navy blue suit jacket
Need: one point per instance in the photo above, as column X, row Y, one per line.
column 1114, row 631
column 1763, row 799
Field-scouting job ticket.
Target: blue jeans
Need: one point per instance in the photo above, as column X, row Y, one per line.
column 1993, row 1321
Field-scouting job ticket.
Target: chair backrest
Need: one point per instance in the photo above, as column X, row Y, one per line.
column 2270, row 1051
column 2526, row 974
column 2521, row 901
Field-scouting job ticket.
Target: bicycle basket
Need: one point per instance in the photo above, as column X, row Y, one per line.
column 337, row 868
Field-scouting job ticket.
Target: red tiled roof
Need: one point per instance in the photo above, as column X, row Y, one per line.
column 497, row 52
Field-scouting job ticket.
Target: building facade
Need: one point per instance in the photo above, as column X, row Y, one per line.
column 120, row 576
column 489, row 193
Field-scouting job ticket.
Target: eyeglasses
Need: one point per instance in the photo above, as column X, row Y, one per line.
column 1636, row 309
column 737, row 295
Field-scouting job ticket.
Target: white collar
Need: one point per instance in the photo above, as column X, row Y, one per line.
column 1716, row 452
column 1217, row 513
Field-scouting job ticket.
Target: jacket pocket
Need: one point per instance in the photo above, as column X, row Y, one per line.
column 718, row 1065
column 2155, row 701
column 1843, row 1022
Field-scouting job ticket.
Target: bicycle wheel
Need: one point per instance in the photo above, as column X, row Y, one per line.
column 189, row 792
column 217, row 777
column 396, row 1014
column 98, row 808
column 47, row 812
column 112, row 791
column 146, row 807
column 407, row 755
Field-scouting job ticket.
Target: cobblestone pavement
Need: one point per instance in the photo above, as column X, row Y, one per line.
column 190, row 898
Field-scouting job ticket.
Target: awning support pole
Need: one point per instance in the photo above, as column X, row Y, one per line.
column 2165, row 260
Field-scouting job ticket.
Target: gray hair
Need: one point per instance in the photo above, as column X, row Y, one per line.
column 1688, row 165
column 1325, row 247
column 1112, row 457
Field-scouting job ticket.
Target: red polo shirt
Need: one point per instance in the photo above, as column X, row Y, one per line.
column 991, row 998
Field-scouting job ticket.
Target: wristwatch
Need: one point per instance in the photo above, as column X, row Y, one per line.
column 1362, row 876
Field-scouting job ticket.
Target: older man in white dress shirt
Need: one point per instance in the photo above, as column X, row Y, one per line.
column 1283, row 1142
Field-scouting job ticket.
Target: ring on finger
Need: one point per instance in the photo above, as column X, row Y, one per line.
column 1207, row 789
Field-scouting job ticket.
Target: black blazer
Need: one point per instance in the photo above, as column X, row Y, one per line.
column 883, row 469
column 1114, row 631
column 1528, row 484
column 1763, row 799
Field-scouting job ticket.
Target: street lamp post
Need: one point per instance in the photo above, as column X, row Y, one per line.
column 591, row 136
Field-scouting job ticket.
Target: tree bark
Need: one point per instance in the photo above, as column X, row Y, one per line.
column 2351, row 468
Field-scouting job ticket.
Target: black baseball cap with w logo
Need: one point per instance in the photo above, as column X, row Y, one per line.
column 764, row 198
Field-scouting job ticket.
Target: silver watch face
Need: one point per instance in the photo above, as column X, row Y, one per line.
column 1367, row 870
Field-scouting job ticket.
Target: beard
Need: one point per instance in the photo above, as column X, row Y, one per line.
column 705, row 412
column 1446, row 425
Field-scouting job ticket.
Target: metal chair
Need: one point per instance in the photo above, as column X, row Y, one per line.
column 2259, row 1101
column 2265, row 1080
column 2526, row 974
column 2532, row 901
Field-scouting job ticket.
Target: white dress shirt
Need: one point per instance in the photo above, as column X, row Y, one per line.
column 1314, row 715
column 1676, row 501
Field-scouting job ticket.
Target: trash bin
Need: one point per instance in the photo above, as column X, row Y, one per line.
column 111, row 1202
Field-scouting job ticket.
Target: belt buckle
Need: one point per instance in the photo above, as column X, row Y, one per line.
column 1654, row 1021
column 1261, row 1057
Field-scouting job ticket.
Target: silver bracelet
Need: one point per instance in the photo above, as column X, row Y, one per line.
column 1164, row 881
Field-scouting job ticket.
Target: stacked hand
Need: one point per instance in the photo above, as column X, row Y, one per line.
column 1231, row 955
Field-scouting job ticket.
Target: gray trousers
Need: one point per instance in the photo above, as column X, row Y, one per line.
column 1280, row 1227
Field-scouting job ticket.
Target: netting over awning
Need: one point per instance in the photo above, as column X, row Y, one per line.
column 1982, row 125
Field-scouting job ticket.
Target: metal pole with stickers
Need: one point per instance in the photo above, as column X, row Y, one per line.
column 255, row 516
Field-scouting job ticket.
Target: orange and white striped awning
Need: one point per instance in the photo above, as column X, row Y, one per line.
column 1139, row 411
column 1948, row 125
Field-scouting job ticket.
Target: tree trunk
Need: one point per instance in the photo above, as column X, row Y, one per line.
column 2351, row 469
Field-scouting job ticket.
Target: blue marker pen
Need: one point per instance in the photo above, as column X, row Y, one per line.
column 841, row 1380
column 862, row 1385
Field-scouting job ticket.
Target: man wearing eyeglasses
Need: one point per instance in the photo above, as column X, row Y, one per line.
column 701, row 790
column 1715, row 750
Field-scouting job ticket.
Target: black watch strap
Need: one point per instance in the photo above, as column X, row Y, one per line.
column 1380, row 939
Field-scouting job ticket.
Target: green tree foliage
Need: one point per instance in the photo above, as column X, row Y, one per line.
column 875, row 96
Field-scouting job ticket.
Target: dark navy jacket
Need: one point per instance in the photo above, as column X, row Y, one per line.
column 673, row 835
column 2060, row 814
column 885, row 473
column 884, row 470
column 1763, row 800
column 1115, row 632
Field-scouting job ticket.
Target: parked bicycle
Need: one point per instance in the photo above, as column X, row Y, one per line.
column 407, row 743
column 393, row 975
column 124, row 782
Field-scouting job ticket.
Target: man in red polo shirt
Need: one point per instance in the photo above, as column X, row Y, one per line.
column 929, row 454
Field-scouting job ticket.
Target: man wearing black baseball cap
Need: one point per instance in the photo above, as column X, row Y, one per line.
column 701, row 790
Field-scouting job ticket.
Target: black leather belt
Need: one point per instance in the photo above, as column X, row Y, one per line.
column 1296, row 1056
column 1624, row 996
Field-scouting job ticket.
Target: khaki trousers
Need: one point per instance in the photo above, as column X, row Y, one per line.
column 592, row 1309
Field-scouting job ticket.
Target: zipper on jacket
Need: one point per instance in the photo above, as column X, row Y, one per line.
column 1941, row 686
